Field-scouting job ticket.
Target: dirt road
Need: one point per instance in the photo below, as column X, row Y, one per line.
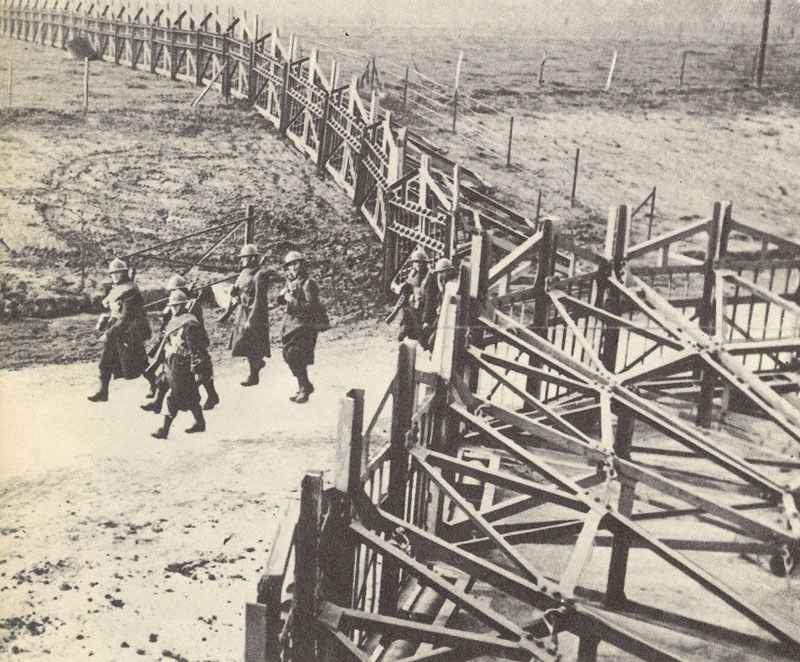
column 115, row 544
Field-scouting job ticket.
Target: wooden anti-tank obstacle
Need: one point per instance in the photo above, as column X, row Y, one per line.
column 574, row 376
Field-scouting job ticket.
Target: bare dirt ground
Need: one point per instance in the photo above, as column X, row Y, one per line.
column 114, row 546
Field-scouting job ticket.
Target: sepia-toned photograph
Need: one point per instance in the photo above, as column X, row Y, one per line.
column 380, row 331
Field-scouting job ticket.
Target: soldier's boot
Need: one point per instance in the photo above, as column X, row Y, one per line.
column 199, row 422
column 305, row 387
column 255, row 368
column 212, row 399
column 155, row 405
column 102, row 392
column 163, row 431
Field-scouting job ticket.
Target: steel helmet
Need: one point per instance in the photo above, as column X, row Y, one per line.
column 248, row 250
column 419, row 255
column 293, row 256
column 117, row 265
column 176, row 282
column 176, row 298
column 442, row 264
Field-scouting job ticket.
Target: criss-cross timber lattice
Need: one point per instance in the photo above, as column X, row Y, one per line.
column 598, row 456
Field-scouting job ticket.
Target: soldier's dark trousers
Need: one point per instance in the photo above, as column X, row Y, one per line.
column 102, row 392
column 256, row 363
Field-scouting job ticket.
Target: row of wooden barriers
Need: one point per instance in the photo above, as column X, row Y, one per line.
column 600, row 446
column 408, row 191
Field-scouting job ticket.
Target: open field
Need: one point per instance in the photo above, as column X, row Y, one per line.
column 116, row 548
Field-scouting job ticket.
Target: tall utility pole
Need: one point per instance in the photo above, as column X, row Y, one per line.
column 762, row 50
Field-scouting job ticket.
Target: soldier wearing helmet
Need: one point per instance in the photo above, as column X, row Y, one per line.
column 249, row 303
column 156, row 374
column 410, row 297
column 433, row 291
column 303, row 319
column 125, row 329
column 187, row 363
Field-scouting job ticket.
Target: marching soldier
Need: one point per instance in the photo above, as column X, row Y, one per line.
column 125, row 330
column 409, row 301
column 187, row 363
column 304, row 318
column 250, row 333
column 433, row 291
column 157, row 378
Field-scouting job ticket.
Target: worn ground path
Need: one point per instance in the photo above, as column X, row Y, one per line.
column 116, row 546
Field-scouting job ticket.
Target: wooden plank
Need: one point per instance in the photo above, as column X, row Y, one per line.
column 506, row 264
column 668, row 238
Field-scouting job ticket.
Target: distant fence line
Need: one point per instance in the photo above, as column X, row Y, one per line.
column 403, row 186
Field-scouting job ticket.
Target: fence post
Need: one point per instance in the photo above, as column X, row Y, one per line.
column 250, row 225
column 402, row 411
column 173, row 52
column 575, row 177
column 510, row 138
column 251, row 70
column 85, row 86
column 611, row 70
column 323, row 135
column 706, row 312
column 618, row 566
column 541, row 307
column 617, row 233
column 306, row 568
column 683, row 67
column 116, row 36
column 349, row 466
column 287, row 66
column 405, row 88
column 652, row 213
column 225, row 80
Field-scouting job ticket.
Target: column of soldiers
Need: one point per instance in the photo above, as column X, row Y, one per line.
column 419, row 301
column 179, row 362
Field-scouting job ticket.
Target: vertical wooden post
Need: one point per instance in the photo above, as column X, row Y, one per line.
column 618, row 567
column 762, row 49
column 306, row 568
column 683, row 67
column 153, row 54
column 575, row 177
column 85, row 86
column 480, row 259
column 541, row 68
column 251, row 69
column 616, row 247
column 173, row 53
column 652, row 213
column 538, row 209
column 226, row 72
column 541, row 306
column 198, row 54
column 338, row 572
column 611, row 70
column 250, row 225
column 405, row 88
column 284, row 108
column 455, row 110
column 707, row 316
column 322, row 151
column 587, row 648
column 402, row 411
column 116, row 36
column 510, row 138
